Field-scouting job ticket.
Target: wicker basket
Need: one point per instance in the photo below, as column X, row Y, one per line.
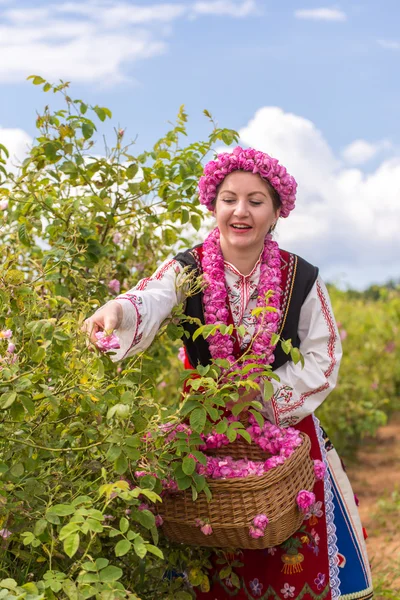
column 235, row 502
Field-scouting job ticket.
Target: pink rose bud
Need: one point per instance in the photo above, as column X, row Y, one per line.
column 304, row 500
column 181, row 354
column 206, row 529
column 5, row 533
column 3, row 204
column 198, row 522
column 11, row 348
column 319, row 469
column 121, row 132
column 114, row 286
column 159, row 521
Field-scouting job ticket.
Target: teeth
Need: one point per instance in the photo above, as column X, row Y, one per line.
column 241, row 226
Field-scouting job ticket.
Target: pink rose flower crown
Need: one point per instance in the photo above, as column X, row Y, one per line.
column 251, row 160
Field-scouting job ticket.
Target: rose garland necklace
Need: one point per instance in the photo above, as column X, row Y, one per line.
column 215, row 299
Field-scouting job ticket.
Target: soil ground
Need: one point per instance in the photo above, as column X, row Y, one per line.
column 375, row 477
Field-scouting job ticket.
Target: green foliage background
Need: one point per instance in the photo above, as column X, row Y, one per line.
column 72, row 423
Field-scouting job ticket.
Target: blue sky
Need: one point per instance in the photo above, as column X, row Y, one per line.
column 316, row 85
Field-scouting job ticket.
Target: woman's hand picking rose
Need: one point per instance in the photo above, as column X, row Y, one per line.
column 107, row 318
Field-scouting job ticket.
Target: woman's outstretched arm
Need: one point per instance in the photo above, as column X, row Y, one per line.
column 136, row 316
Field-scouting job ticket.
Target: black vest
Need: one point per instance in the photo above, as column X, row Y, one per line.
column 298, row 277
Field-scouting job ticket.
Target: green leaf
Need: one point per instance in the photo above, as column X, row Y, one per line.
column 110, row 573
column 17, row 470
column 231, row 434
column 69, row 168
column 195, row 221
column 121, row 464
column 67, row 530
column 62, row 510
column 268, row 390
column 40, row 527
column 71, row 544
column 7, row 399
column 245, row 435
column 123, row 525
column 122, row 547
column 87, row 130
column 222, row 426
column 36, row 79
column 52, row 518
column 200, row 457
column 225, row 572
column 154, row 550
column 145, row 518
column 184, row 483
column 140, row 547
column 132, row 170
column 286, row 346
column 188, row 465
column 113, row 453
column 258, row 417
column 198, row 419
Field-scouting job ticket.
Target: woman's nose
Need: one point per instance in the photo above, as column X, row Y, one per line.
column 241, row 208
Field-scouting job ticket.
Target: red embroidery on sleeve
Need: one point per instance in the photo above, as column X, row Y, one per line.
column 134, row 300
column 159, row 274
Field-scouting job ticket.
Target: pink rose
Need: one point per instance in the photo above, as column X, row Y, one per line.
column 114, row 286
column 319, row 469
column 260, row 521
column 11, row 348
column 304, row 500
column 206, row 529
column 5, row 533
column 117, row 238
column 255, row 532
column 159, row 520
column 3, row 204
column 6, row 334
column 107, row 342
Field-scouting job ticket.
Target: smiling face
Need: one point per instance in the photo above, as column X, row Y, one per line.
column 244, row 211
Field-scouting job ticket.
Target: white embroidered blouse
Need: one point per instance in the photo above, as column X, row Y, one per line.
column 300, row 390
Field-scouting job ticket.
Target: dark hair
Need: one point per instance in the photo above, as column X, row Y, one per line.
column 276, row 201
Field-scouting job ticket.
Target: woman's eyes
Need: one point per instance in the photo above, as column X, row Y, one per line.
column 231, row 200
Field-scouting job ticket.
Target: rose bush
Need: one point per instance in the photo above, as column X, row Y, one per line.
column 74, row 426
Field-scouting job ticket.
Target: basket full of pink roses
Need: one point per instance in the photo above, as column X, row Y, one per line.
column 260, row 491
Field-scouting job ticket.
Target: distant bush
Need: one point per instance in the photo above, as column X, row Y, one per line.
column 368, row 389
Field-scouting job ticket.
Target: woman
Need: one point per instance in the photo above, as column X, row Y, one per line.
column 248, row 191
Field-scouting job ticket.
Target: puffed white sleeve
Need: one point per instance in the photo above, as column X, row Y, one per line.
column 146, row 306
column 302, row 389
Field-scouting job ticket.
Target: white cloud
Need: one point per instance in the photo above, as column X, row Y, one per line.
column 389, row 44
column 361, row 151
column 321, row 14
column 345, row 221
column 95, row 40
column 225, row 7
column 17, row 142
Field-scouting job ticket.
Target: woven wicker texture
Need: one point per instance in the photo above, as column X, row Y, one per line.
column 235, row 502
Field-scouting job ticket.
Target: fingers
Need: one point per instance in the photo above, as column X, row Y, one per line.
column 105, row 319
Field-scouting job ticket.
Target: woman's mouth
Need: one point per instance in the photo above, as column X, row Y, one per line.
column 241, row 227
